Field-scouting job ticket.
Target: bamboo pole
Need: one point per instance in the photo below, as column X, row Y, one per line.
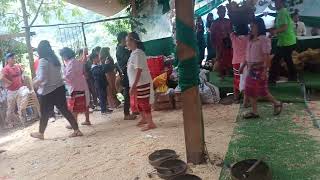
column 192, row 109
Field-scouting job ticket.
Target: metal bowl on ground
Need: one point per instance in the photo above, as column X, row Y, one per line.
column 170, row 169
column 187, row 177
column 260, row 172
column 159, row 156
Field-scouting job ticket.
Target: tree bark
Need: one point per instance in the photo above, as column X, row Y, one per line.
column 192, row 108
column 28, row 36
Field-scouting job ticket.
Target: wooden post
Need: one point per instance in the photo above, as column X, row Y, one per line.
column 192, row 109
column 84, row 35
column 28, row 36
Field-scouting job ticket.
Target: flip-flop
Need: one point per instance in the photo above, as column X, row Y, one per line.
column 76, row 134
column 277, row 109
column 86, row 123
column 251, row 115
column 140, row 124
column 37, row 135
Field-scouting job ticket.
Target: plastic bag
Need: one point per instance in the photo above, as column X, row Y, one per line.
column 206, row 94
column 215, row 92
column 160, row 83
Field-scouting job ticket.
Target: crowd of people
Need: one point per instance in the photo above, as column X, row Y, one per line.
column 85, row 81
column 245, row 50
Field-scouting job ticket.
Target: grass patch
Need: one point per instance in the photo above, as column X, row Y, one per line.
column 289, row 151
column 287, row 92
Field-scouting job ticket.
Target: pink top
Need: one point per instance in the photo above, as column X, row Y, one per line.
column 239, row 45
column 257, row 49
column 13, row 74
column 74, row 76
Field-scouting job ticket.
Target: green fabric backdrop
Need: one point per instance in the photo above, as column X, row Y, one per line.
column 208, row 7
column 157, row 47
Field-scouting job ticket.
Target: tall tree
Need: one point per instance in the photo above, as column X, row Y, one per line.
column 20, row 15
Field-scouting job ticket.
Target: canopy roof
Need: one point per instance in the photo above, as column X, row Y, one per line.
column 308, row 10
column 103, row 7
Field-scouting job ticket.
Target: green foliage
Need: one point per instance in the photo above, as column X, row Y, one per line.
column 12, row 18
column 139, row 4
column 118, row 26
column 12, row 46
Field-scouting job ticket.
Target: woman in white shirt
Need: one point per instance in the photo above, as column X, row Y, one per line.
column 140, row 80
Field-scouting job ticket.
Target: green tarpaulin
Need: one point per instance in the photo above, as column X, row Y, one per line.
column 164, row 46
column 208, row 7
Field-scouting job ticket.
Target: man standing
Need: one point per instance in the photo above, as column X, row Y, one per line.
column 12, row 77
column 220, row 31
column 123, row 55
column 300, row 27
column 287, row 40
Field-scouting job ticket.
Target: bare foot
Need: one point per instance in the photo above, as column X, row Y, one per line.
column 37, row 135
column 130, row 117
column 86, row 123
column 76, row 133
column 148, row 127
column 141, row 123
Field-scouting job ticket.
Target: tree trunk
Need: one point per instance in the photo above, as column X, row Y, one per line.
column 28, row 36
column 192, row 108
column 133, row 15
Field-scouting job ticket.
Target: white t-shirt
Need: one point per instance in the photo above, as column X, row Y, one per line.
column 138, row 60
column 300, row 28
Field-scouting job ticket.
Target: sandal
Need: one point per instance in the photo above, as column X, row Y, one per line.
column 250, row 115
column 86, row 123
column 77, row 133
column 277, row 109
column 37, row 135
column 147, row 128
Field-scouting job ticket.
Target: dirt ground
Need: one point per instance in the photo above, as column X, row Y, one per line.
column 112, row 148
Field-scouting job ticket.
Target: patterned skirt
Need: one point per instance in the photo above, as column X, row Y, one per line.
column 256, row 84
column 77, row 102
column 143, row 98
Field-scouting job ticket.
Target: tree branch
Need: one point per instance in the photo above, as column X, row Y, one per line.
column 15, row 14
column 37, row 14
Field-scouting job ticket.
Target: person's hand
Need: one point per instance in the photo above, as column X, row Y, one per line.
column 133, row 90
column 241, row 69
column 36, row 83
column 273, row 32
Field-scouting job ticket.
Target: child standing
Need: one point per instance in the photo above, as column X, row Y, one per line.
column 240, row 41
column 258, row 53
column 140, row 80
column 100, row 82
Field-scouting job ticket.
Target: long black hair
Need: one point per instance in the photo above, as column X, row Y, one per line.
column 262, row 30
column 241, row 29
column 45, row 52
column 135, row 37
